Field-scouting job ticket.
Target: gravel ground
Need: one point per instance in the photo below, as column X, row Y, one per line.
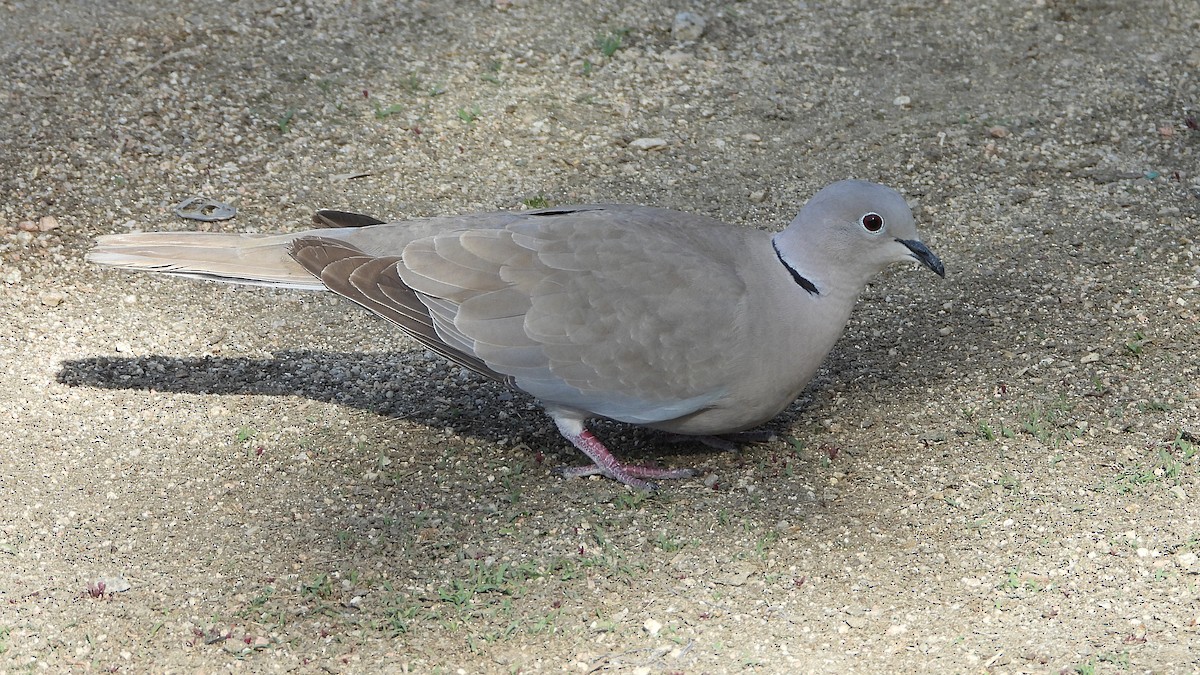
column 993, row 472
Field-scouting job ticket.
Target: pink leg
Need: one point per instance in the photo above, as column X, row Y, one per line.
column 607, row 465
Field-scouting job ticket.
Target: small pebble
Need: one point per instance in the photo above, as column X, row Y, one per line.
column 652, row 627
column 114, row 584
column 52, row 298
column 647, row 143
column 902, row 101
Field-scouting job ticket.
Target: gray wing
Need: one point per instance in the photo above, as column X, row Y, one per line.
column 627, row 312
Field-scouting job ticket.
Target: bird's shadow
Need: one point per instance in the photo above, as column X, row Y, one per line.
column 392, row 384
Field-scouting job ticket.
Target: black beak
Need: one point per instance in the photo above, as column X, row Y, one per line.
column 923, row 255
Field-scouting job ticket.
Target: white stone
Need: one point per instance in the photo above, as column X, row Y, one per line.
column 648, row 144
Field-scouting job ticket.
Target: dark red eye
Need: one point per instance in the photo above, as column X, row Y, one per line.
column 873, row 222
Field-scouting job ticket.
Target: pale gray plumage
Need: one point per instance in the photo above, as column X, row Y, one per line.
column 643, row 315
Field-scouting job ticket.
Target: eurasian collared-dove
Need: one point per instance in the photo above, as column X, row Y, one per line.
column 643, row 315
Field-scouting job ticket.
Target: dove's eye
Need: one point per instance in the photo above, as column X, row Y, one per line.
column 873, row 222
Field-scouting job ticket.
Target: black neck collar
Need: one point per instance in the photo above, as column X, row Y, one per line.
column 801, row 280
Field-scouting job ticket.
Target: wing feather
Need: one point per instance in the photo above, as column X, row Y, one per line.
column 373, row 283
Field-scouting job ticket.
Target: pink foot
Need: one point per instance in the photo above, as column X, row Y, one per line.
column 605, row 464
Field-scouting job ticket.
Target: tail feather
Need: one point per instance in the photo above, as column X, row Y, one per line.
column 252, row 259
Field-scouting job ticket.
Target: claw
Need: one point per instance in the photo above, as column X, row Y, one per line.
column 632, row 475
column 605, row 464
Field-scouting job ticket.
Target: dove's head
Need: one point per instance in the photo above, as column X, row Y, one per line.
column 851, row 230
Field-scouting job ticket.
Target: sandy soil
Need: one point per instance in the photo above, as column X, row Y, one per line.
column 994, row 472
